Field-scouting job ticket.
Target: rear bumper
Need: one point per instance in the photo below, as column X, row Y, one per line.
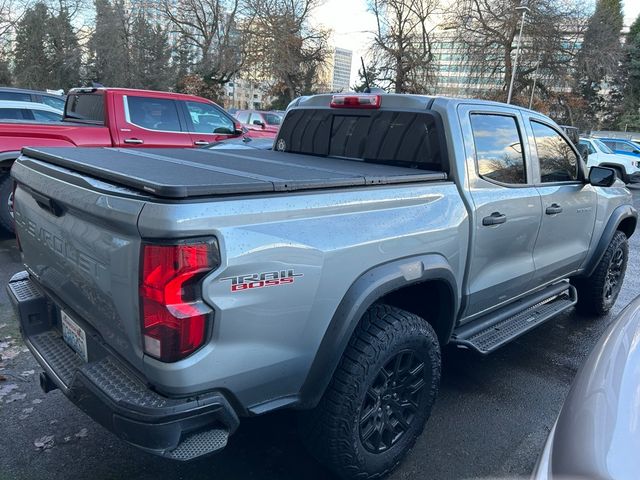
column 114, row 396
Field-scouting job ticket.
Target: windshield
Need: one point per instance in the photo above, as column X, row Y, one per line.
column 602, row 147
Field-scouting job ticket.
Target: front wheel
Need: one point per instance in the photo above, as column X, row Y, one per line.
column 380, row 396
column 598, row 293
column 6, row 202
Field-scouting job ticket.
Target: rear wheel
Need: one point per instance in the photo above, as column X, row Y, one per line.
column 6, row 202
column 599, row 292
column 380, row 396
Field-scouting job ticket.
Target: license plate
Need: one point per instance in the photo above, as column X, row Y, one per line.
column 74, row 336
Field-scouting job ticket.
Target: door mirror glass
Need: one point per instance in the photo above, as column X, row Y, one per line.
column 602, row 176
column 258, row 122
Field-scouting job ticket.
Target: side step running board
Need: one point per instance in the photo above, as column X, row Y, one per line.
column 490, row 332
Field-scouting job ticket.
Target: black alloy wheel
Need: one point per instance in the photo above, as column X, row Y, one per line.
column 391, row 403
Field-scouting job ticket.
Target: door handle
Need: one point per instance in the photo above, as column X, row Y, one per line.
column 553, row 209
column 496, row 218
column 134, row 141
column 201, row 142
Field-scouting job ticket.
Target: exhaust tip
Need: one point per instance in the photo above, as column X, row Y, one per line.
column 46, row 384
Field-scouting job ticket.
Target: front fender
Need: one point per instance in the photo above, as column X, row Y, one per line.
column 621, row 213
column 367, row 289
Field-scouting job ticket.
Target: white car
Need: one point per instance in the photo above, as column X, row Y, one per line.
column 627, row 168
column 39, row 112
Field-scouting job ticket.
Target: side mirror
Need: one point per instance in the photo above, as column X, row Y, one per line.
column 259, row 123
column 602, row 176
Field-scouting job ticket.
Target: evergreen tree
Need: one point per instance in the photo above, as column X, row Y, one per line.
column 109, row 62
column 598, row 63
column 5, row 73
column 150, row 55
column 63, row 52
column 630, row 119
column 31, row 60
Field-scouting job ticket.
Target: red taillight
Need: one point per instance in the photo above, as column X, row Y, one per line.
column 174, row 317
column 356, row 101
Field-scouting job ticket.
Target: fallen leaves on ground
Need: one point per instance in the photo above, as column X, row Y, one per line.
column 44, row 443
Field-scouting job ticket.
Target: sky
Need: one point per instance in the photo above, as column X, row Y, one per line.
column 351, row 24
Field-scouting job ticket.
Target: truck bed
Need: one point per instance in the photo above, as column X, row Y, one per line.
column 183, row 173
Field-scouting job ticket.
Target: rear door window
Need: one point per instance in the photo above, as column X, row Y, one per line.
column 399, row 138
column 12, row 114
column 15, row 96
column 85, row 107
column 46, row 116
column 499, row 153
column 153, row 113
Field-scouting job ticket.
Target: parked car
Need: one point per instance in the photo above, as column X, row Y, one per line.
column 35, row 96
column 622, row 147
column 115, row 117
column 171, row 293
column 38, row 112
column 599, row 154
column 261, row 124
column 597, row 434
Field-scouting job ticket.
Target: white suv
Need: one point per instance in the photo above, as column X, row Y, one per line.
column 627, row 168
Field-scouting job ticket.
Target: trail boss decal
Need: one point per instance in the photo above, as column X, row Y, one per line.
column 260, row 280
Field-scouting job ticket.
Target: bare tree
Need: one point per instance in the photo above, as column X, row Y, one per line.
column 487, row 31
column 214, row 29
column 402, row 44
column 286, row 49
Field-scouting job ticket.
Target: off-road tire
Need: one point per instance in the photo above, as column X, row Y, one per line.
column 596, row 294
column 332, row 431
column 6, row 190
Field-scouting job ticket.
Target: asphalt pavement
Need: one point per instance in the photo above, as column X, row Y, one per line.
column 490, row 420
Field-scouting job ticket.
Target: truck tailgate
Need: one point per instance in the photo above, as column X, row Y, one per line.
column 83, row 247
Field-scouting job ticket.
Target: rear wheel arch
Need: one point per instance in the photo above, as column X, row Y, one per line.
column 394, row 283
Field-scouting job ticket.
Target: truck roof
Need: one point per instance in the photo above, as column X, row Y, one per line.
column 139, row 92
column 395, row 101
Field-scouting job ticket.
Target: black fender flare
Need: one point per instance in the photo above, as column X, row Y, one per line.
column 620, row 168
column 7, row 159
column 366, row 290
column 619, row 214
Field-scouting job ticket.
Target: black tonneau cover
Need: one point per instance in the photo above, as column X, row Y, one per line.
column 182, row 173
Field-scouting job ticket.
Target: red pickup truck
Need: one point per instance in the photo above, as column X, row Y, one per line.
column 115, row 117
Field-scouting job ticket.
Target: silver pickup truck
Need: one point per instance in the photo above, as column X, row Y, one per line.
column 169, row 293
